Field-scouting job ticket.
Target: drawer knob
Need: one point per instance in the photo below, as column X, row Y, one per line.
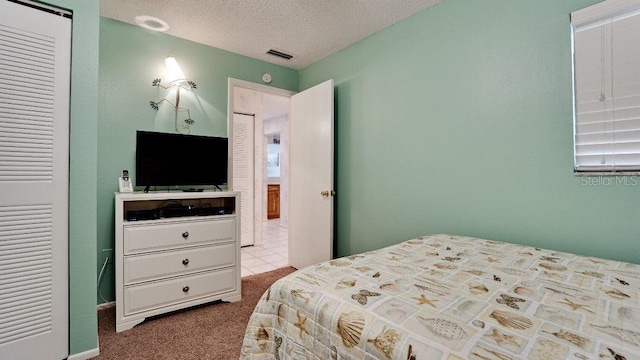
column 185, row 289
column 185, row 262
column 185, row 234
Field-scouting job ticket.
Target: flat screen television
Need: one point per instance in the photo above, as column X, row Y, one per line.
column 164, row 159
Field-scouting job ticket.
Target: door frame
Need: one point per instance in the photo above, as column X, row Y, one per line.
column 231, row 84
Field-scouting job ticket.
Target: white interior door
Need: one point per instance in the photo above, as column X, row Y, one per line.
column 311, row 176
column 35, row 58
column 243, row 173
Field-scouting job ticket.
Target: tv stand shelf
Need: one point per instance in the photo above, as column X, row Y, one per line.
column 167, row 263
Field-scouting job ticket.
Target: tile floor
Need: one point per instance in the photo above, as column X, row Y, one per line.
column 271, row 255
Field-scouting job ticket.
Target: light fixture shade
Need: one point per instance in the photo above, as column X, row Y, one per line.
column 174, row 73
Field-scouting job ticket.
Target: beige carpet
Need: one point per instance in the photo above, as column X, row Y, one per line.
column 213, row 331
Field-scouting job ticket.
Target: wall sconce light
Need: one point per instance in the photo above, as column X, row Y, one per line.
column 176, row 79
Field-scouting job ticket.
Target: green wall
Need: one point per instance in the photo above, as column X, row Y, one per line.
column 459, row 120
column 130, row 58
column 456, row 120
column 83, row 327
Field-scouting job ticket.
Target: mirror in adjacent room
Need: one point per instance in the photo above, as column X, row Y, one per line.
column 273, row 157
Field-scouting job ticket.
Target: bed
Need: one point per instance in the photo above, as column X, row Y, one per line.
column 451, row 297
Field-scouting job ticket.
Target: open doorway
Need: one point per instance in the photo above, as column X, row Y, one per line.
column 309, row 189
column 259, row 133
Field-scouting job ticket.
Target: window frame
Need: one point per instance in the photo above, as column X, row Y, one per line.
column 584, row 20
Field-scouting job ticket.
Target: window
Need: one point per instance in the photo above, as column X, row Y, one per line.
column 606, row 64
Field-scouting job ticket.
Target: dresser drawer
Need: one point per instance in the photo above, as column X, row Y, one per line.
column 141, row 238
column 153, row 266
column 154, row 295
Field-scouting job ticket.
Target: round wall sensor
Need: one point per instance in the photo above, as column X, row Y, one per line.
column 266, row 78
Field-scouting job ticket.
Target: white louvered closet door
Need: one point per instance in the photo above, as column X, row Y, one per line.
column 243, row 173
column 35, row 53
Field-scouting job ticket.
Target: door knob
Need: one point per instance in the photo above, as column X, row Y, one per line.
column 326, row 193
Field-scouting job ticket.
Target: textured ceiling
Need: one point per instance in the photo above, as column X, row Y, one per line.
column 307, row 29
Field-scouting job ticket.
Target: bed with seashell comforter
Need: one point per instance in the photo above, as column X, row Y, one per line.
column 448, row 297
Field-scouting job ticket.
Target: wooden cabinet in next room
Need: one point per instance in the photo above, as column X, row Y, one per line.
column 273, row 201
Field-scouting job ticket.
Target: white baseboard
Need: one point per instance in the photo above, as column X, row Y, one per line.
column 105, row 306
column 85, row 355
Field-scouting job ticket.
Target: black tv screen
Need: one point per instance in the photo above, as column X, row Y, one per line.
column 164, row 159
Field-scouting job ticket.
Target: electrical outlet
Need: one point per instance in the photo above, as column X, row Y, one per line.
column 107, row 253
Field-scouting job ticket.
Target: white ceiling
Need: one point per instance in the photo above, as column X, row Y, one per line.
column 307, row 29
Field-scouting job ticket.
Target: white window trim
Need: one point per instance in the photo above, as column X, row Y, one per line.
column 583, row 20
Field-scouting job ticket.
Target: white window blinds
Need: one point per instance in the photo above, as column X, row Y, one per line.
column 606, row 50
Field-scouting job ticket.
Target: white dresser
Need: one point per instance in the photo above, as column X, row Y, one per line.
column 182, row 249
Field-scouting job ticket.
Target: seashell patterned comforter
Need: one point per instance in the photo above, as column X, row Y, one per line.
column 449, row 297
